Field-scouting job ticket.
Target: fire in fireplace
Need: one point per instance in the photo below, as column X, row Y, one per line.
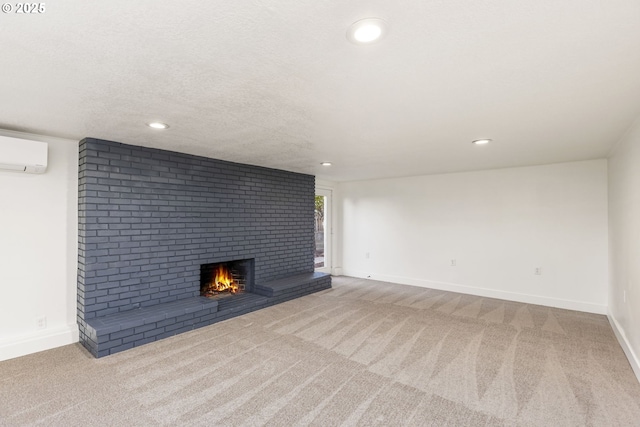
column 222, row 281
column 226, row 278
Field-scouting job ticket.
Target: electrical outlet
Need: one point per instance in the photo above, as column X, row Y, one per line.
column 538, row 271
column 41, row 323
column 452, row 263
column 367, row 255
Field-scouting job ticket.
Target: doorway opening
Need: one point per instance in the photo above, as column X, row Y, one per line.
column 322, row 224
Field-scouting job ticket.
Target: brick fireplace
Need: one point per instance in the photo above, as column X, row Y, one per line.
column 150, row 219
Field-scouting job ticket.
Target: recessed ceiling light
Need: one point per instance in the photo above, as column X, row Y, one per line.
column 366, row 30
column 481, row 141
column 158, row 125
column 326, row 163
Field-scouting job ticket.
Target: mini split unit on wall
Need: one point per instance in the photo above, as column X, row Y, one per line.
column 22, row 155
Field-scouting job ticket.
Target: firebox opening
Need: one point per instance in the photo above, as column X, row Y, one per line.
column 223, row 279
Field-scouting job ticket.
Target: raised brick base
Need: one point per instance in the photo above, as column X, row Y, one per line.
column 124, row 330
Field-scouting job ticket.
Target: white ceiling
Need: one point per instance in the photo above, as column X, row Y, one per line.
column 276, row 83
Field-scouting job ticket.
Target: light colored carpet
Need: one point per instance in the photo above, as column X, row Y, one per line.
column 364, row 353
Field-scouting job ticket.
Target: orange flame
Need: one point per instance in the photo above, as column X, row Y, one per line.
column 223, row 281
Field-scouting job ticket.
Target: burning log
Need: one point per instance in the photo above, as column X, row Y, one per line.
column 223, row 281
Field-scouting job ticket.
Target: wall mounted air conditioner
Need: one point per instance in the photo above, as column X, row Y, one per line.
column 23, row 155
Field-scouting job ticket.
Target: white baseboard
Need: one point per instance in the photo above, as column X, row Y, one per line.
column 634, row 361
column 34, row 343
column 484, row 292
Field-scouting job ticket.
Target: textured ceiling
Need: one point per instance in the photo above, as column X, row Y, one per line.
column 276, row 83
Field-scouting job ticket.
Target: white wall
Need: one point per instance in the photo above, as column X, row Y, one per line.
column 38, row 252
column 624, row 241
column 499, row 225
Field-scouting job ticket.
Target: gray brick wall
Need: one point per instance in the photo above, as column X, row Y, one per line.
column 148, row 218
